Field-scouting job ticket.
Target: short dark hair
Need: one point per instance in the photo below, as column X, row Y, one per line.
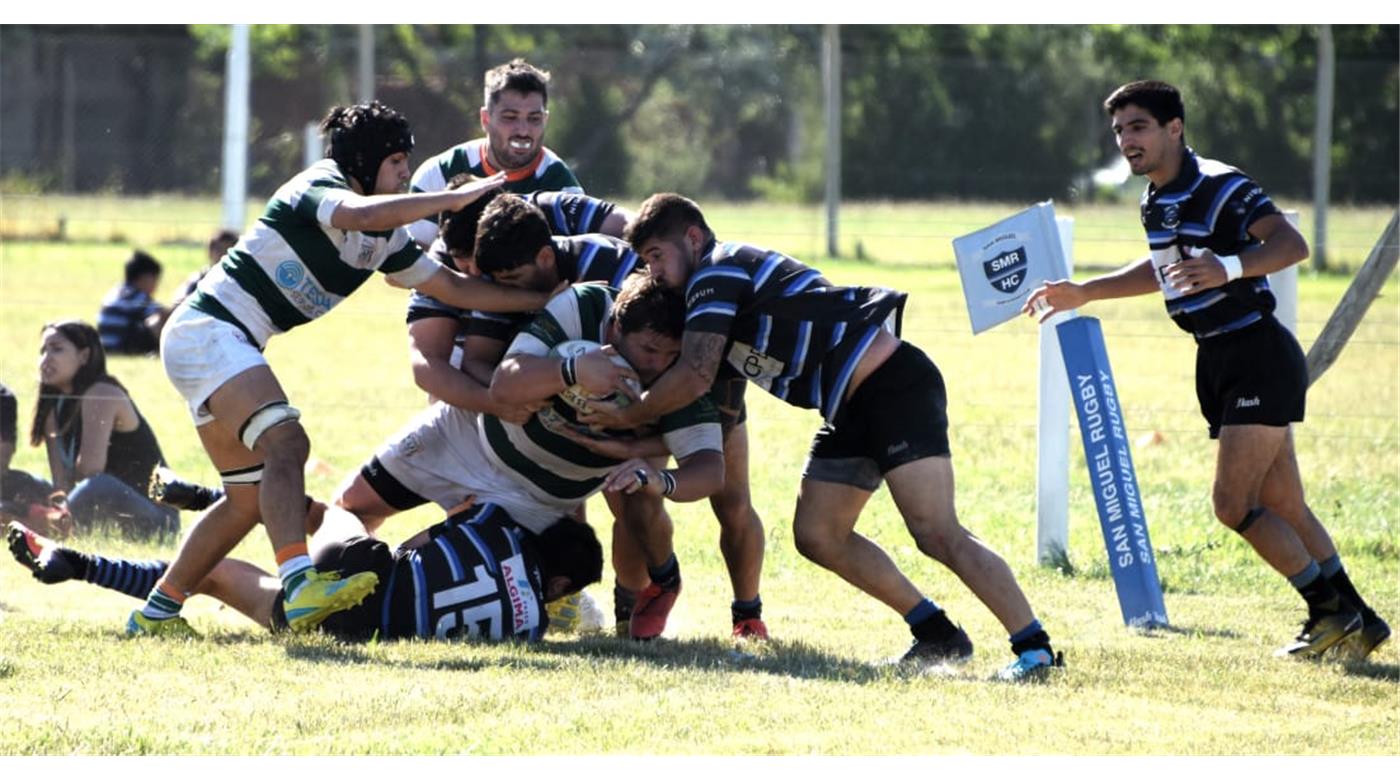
column 509, row 234
column 141, row 264
column 665, row 215
column 570, row 549
column 223, row 236
column 458, row 228
column 362, row 135
column 1158, row 98
column 646, row 303
column 516, row 76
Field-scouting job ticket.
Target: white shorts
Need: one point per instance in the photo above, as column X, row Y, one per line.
column 439, row 456
column 201, row 354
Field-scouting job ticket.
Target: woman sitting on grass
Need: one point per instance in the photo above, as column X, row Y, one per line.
column 101, row 450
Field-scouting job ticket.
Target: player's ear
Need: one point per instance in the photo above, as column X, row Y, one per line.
column 557, row 587
column 545, row 257
column 485, row 118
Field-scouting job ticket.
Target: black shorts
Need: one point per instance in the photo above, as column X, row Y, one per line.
column 1254, row 376
column 351, row 556
column 898, row 415
column 394, row 493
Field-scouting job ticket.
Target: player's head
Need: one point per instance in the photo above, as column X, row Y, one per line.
column 71, row 359
column 570, row 557
column 648, row 318
column 458, row 228
column 514, row 246
column 220, row 243
column 1148, row 120
column 370, row 142
column 515, row 112
column 142, row 271
column 669, row 233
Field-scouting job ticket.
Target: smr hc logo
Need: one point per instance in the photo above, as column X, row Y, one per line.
column 1007, row 270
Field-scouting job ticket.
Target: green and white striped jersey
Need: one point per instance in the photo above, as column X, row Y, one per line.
column 292, row 266
column 546, row 172
column 555, row 470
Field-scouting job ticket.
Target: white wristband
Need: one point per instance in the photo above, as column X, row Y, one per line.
column 1234, row 269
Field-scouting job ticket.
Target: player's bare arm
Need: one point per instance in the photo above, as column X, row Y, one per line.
column 1283, row 246
column 691, row 377
column 1136, row 278
column 468, row 292
column 699, row 475
column 524, row 378
column 386, row 212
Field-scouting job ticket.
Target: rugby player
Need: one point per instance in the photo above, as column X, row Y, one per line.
column 1214, row 236
column 765, row 317
column 321, row 236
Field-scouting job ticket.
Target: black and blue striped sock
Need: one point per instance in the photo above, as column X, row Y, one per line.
column 134, row 578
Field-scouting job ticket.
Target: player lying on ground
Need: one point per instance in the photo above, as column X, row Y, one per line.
column 477, row 574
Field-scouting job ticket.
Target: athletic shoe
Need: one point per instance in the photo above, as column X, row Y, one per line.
column 168, row 489
column 1321, row 631
column 1032, row 666
column 172, row 628
column 751, row 628
column 37, row 554
column 1374, row 631
column 575, row 612
column 325, row 594
column 954, row 649
column 649, row 615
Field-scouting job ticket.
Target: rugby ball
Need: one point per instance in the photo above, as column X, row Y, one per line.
column 576, row 396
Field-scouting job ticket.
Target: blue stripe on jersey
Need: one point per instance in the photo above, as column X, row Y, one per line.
column 559, row 218
column 765, row 330
column 388, row 601
column 420, row 596
column 716, row 270
column 590, row 207
column 451, row 557
column 1193, row 229
column 1194, row 304
column 1220, row 197
column 726, row 309
column 475, row 538
column 843, row 378
column 804, row 345
column 1248, row 319
column 1155, row 237
column 837, row 333
column 1177, row 197
column 624, row 267
column 802, row 282
column 770, row 264
column 586, row 259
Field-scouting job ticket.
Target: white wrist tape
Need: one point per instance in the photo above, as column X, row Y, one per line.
column 1234, row 269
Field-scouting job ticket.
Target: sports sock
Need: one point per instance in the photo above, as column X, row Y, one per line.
column 1339, row 580
column 1032, row 637
column 1316, row 590
column 623, row 602
column 668, row 575
column 927, row 622
column 134, row 578
column 293, row 566
column 164, row 602
column 746, row 610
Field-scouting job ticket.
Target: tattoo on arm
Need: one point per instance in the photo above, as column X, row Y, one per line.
column 702, row 352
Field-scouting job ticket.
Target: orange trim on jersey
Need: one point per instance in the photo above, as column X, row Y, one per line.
column 515, row 175
column 290, row 551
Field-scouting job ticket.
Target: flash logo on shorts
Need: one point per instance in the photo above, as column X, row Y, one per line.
column 895, row 449
column 1245, row 403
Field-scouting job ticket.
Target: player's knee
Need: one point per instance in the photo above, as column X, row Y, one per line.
column 1229, row 506
column 813, row 542
column 275, row 431
column 285, row 444
column 937, row 543
column 734, row 511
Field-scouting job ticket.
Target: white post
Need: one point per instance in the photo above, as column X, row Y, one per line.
column 1322, row 142
column 235, row 168
column 831, row 78
column 1052, row 439
column 366, row 63
column 311, row 150
column 1285, row 286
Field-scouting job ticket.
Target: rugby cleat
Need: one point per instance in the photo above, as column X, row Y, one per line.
column 751, row 628
column 38, row 554
column 168, row 489
column 649, row 615
column 169, row 628
column 954, row 649
column 577, row 612
column 325, row 594
column 1032, row 666
column 1320, row 633
column 1374, row 631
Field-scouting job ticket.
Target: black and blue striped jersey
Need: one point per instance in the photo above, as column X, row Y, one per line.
column 790, row 331
column 477, row 577
column 568, row 214
column 1209, row 205
column 590, row 258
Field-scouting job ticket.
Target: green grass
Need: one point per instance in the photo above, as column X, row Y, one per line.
column 69, row 683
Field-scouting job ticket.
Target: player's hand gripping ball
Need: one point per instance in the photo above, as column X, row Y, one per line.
column 578, row 396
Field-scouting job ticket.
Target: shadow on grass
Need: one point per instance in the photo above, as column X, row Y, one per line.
column 1161, row 632
column 1386, row 672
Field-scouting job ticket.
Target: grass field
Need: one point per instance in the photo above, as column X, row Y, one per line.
column 71, row 684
